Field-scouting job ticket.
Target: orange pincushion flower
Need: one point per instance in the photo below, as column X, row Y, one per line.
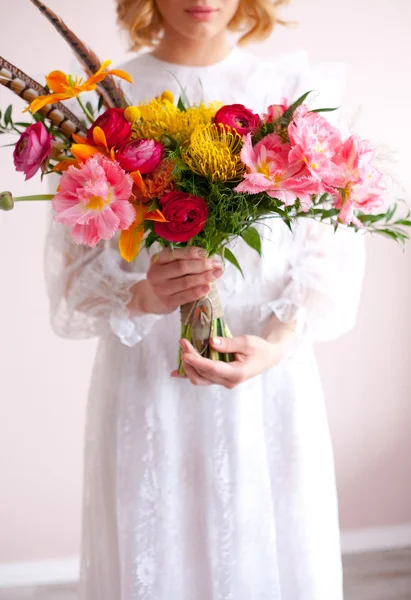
column 63, row 86
column 161, row 180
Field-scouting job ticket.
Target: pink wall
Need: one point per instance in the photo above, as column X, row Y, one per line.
column 367, row 377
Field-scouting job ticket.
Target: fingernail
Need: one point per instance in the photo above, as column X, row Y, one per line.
column 202, row 253
column 217, row 272
column 181, row 344
column 216, row 264
column 216, row 341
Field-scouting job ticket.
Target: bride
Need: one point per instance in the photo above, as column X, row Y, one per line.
column 219, row 485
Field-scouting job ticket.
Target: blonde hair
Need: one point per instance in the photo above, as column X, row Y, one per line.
column 255, row 19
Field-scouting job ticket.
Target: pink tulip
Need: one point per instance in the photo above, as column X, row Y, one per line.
column 32, row 149
column 358, row 182
column 94, row 200
column 140, row 155
column 275, row 111
column 269, row 171
column 314, row 143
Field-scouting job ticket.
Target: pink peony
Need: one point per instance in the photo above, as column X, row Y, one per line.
column 32, row 149
column 140, row 155
column 238, row 117
column 275, row 111
column 314, row 143
column 94, row 200
column 269, row 171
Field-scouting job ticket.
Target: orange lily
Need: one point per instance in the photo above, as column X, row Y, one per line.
column 130, row 239
column 63, row 165
column 65, row 87
column 82, row 150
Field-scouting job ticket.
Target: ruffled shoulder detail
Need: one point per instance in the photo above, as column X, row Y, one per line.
column 291, row 75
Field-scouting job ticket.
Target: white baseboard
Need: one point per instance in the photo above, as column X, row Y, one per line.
column 378, row 538
column 48, row 572
column 66, row 570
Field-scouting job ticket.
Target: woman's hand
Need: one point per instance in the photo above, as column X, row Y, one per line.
column 253, row 355
column 174, row 278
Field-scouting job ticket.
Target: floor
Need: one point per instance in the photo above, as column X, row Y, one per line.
column 376, row 576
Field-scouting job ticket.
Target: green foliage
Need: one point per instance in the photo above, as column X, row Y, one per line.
column 320, row 110
column 252, row 238
column 228, row 255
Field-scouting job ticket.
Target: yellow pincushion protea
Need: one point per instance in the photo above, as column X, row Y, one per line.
column 160, row 117
column 214, row 152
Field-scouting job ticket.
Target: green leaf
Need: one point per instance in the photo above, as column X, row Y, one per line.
column 100, row 103
column 291, row 110
column 252, row 238
column 318, row 110
column 328, row 214
column 371, row 218
column 228, row 255
column 7, row 115
column 181, row 105
column 391, row 212
column 90, row 108
column 404, row 222
column 394, row 235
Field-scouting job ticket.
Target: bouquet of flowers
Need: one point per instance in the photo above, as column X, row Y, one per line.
column 175, row 174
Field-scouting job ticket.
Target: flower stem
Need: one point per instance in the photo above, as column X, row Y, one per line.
column 34, row 198
column 85, row 110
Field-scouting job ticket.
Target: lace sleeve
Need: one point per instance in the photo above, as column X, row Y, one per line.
column 89, row 290
column 323, row 281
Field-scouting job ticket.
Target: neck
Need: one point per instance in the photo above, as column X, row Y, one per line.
column 196, row 53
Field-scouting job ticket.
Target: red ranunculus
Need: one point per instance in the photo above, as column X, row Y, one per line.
column 238, row 117
column 186, row 216
column 32, row 149
column 140, row 155
column 116, row 129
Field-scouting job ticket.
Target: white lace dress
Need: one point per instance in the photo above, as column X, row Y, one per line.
column 205, row 493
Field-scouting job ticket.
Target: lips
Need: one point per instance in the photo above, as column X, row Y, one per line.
column 201, row 10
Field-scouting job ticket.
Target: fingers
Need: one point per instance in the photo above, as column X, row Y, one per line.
column 181, row 268
column 228, row 375
column 195, row 377
column 168, row 255
column 181, row 298
column 189, row 282
column 243, row 344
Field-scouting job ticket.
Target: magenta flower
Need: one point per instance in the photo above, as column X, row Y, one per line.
column 140, row 155
column 269, row 171
column 238, row 117
column 32, row 149
column 94, row 200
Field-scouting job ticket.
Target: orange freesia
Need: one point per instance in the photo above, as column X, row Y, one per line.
column 63, row 86
column 130, row 239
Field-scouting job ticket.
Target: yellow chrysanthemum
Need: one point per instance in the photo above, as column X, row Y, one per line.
column 214, row 151
column 160, row 117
